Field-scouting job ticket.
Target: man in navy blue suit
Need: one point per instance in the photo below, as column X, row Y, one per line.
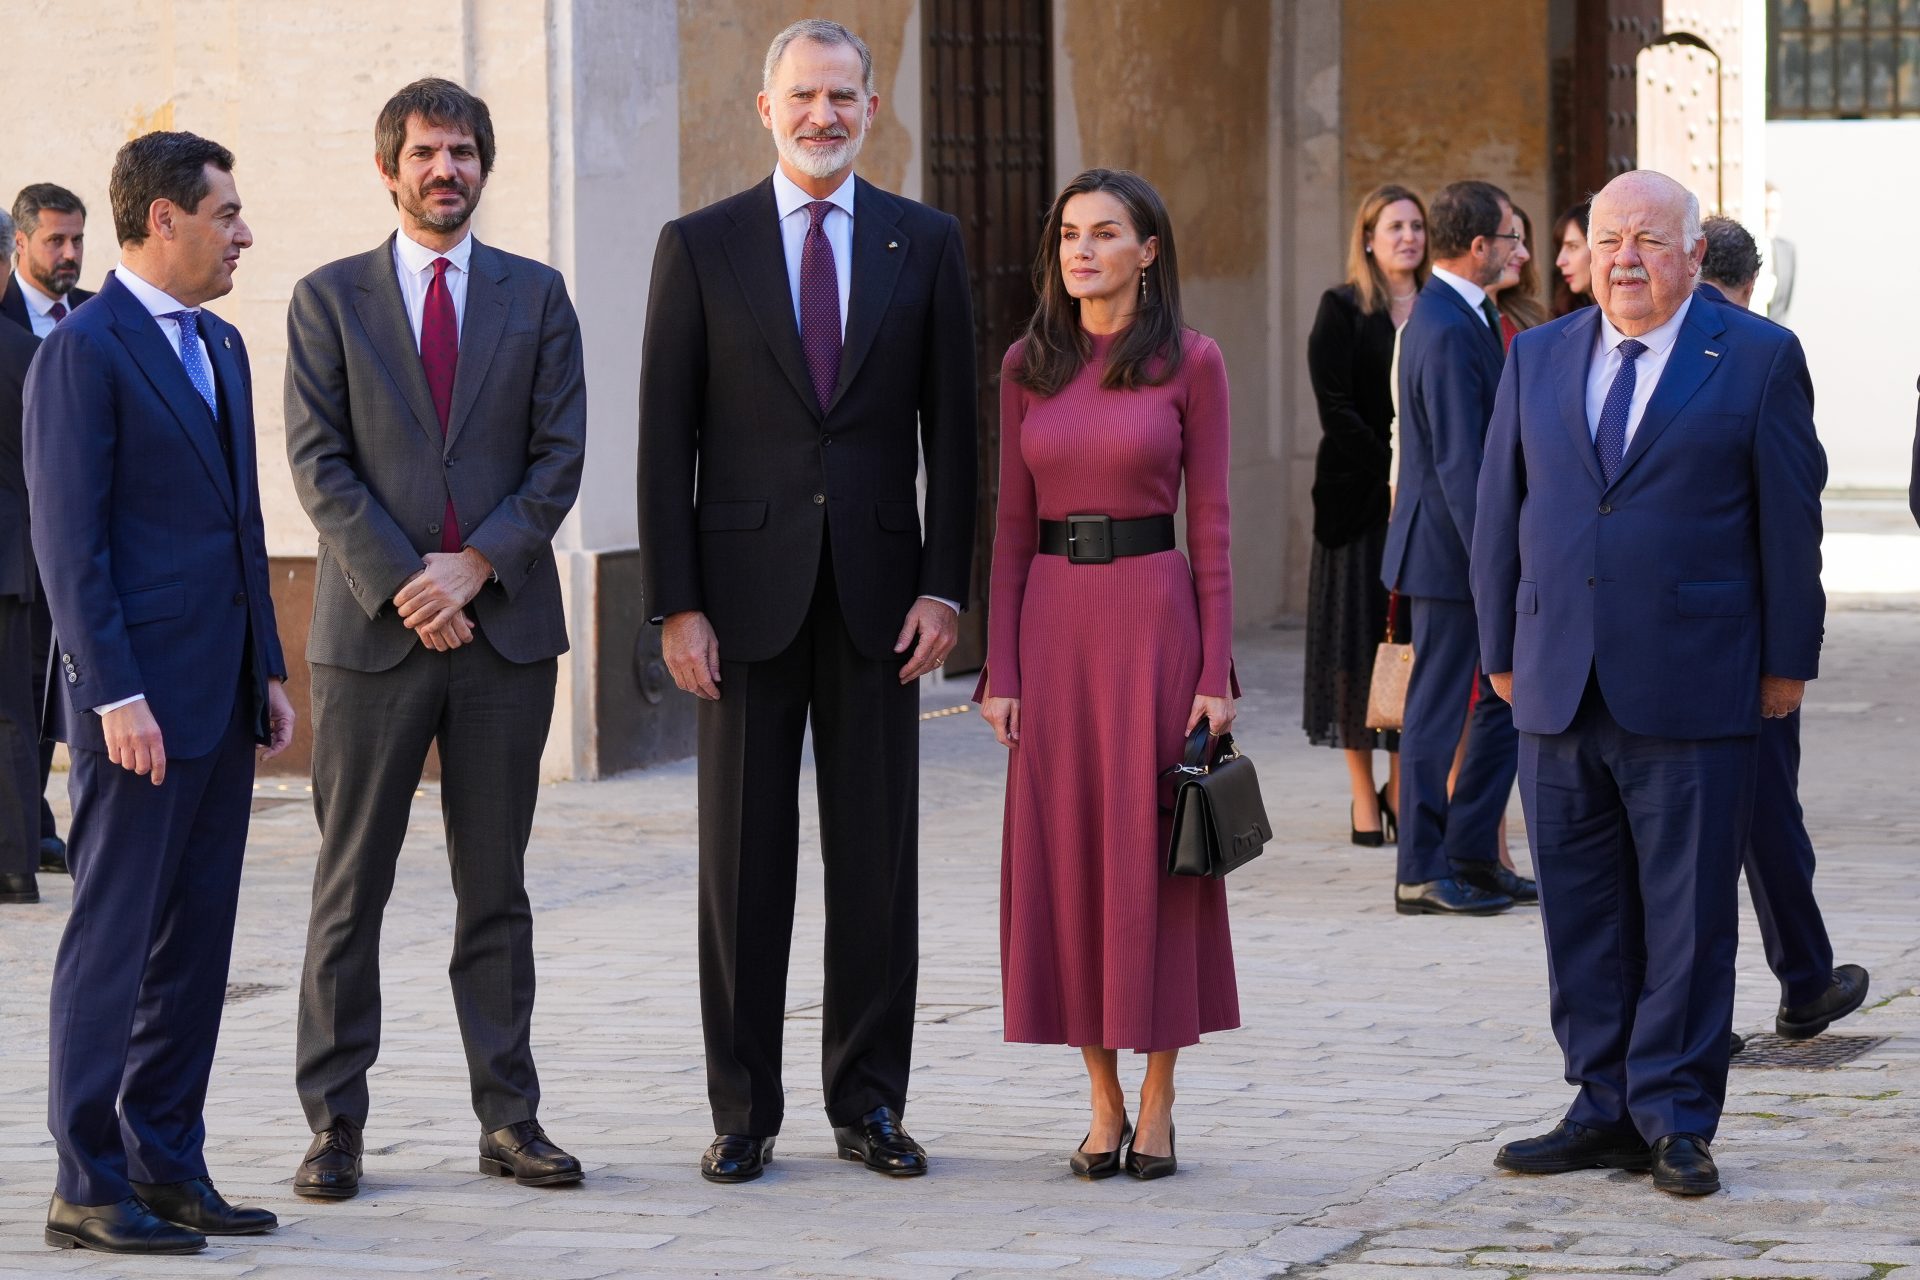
column 1450, row 356
column 1646, row 567
column 146, row 523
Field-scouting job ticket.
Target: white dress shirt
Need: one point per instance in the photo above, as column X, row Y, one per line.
column 38, row 305
column 413, row 263
column 1646, row 369
column 1466, row 288
column 792, row 203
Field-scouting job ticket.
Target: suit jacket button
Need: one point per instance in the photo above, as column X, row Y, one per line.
column 1605, row 510
column 239, row 597
column 1589, row 581
column 819, row 499
column 433, row 528
column 72, row 678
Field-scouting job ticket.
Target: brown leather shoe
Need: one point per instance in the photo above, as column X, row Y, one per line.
column 331, row 1170
column 524, row 1153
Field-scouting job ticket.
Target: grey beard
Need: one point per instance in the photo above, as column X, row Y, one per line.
column 816, row 164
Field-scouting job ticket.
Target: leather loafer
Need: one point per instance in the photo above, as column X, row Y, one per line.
column 331, row 1170
column 125, row 1227
column 1498, row 880
column 1569, row 1146
column 19, row 887
column 53, row 855
column 1450, row 897
column 1683, row 1165
column 1847, row 992
column 881, row 1144
column 735, row 1157
column 524, row 1153
column 197, row 1206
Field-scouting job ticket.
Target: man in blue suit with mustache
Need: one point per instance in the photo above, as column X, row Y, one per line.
column 1646, row 572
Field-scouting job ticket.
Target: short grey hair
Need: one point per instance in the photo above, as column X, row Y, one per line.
column 6, row 238
column 1690, row 228
column 820, row 31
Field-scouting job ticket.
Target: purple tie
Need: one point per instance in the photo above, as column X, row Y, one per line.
column 820, row 306
column 58, row 311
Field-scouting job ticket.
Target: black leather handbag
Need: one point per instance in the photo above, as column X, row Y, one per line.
column 1219, row 820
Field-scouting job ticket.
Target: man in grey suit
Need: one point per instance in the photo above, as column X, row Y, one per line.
column 436, row 420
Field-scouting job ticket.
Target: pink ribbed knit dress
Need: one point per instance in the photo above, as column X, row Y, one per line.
column 1098, row 945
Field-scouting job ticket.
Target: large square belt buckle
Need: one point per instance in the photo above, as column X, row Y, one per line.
column 1090, row 539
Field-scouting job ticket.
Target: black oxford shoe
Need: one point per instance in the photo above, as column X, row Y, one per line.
column 331, row 1170
column 53, row 855
column 1683, row 1165
column 524, row 1153
column 1571, row 1146
column 1736, row 1044
column 881, row 1144
column 735, row 1157
column 1847, row 992
column 1493, row 878
column 126, row 1227
column 1451, row 897
column 20, row 887
column 197, row 1206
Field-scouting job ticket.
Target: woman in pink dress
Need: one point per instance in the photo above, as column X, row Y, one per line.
column 1104, row 651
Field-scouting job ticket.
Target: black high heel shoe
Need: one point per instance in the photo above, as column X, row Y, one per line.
column 1147, row 1168
column 1095, row 1165
column 1389, row 820
column 1367, row 839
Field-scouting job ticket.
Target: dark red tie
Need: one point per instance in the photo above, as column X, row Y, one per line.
column 820, row 306
column 58, row 311
column 440, row 357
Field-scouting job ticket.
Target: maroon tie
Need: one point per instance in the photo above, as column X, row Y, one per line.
column 58, row 311
column 440, row 356
column 820, row 306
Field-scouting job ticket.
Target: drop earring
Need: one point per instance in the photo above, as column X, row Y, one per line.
column 1143, row 284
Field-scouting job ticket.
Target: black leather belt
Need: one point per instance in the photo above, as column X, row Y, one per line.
column 1102, row 539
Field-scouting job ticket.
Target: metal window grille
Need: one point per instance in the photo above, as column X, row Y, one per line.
column 1843, row 59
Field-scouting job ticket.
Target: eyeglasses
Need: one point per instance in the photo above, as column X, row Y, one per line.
column 1505, row 235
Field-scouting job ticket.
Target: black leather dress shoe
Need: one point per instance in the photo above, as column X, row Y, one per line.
column 197, row 1206
column 1736, row 1044
column 1497, row 880
column 19, row 887
column 1450, row 897
column 1847, row 992
column 331, row 1170
column 1683, row 1165
column 1571, row 1146
column 53, row 855
column 524, row 1153
column 881, row 1144
column 126, row 1227
column 735, row 1157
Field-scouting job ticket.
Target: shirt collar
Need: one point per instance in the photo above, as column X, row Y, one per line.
column 787, row 195
column 415, row 257
column 1466, row 288
column 150, row 296
column 1656, row 341
column 36, row 299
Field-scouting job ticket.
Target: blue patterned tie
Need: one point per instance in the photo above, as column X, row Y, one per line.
column 196, row 364
column 1610, row 439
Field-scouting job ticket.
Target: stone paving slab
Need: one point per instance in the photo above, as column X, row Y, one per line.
column 1345, row 1132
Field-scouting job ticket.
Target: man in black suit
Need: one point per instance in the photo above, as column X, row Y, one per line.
column 19, row 711
column 797, row 335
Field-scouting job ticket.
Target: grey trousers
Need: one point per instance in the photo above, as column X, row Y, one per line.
column 371, row 731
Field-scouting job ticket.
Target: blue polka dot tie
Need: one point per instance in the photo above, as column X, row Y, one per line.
column 196, row 364
column 1610, row 438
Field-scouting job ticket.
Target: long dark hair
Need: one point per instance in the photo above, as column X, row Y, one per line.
column 1565, row 300
column 1054, row 347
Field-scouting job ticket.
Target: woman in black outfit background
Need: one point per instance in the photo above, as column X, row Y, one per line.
column 1349, row 356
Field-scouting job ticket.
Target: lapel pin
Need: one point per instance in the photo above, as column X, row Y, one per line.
column 893, row 244
column 227, row 343
column 1714, row 354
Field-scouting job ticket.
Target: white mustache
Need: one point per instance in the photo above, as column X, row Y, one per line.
column 1626, row 273
column 830, row 133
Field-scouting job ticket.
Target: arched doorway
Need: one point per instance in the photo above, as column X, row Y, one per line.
column 1681, row 123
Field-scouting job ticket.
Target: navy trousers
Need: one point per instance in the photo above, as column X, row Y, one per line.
column 1637, row 844
column 142, row 970
column 1779, row 866
column 1436, row 834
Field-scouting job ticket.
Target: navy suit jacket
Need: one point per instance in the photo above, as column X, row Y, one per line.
column 1449, row 371
column 13, row 303
column 1690, row 576
column 149, row 538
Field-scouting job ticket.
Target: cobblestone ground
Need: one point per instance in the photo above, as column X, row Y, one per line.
column 1346, row 1132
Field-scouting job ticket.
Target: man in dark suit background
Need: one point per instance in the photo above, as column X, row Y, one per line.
column 146, row 521
column 1450, row 355
column 19, row 707
column 802, row 337
column 436, row 424
column 1646, row 566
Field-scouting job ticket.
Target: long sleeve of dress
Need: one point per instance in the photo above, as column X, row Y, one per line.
column 1206, row 458
column 1016, row 538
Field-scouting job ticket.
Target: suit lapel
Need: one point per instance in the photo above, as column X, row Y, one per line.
column 480, row 329
column 383, row 314
column 760, row 265
column 1696, row 354
column 238, row 423
column 879, row 251
column 150, row 350
column 13, row 303
column 1572, row 358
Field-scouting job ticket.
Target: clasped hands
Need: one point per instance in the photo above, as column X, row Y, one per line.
column 692, row 650
column 1779, row 696
column 433, row 602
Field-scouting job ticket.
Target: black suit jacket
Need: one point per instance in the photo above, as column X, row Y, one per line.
column 742, row 477
column 13, row 304
column 16, row 541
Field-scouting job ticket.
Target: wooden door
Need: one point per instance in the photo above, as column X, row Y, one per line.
column 1605, row 111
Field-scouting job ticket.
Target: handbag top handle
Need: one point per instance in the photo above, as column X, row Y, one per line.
column 1198, row 742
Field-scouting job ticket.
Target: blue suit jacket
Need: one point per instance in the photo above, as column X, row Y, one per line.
column 151, row 552
column 1449, row 371
column 1694, row 573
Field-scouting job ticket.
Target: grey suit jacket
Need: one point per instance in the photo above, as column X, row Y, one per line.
column 375, row 474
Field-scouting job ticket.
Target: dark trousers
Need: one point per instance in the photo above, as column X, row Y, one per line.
column 142, row 970
column 866, row 750
column 371, row 731
column 1779, row 865
column 1637, row 843
column 19, row 741
column 42, row 661
column 1438, row 834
